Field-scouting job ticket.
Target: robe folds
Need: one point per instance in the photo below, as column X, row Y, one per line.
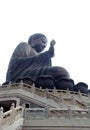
column 27, row 63
column 31, row 67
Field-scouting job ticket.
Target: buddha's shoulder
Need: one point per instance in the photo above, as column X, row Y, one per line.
column 23, row 44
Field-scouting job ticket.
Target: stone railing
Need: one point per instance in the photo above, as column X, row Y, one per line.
column 39, row 91
column 59, row 96
column 64, row 113
column 34, row 89
column 9, row 117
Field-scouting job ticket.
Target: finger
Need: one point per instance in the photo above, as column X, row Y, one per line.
column 53, row 42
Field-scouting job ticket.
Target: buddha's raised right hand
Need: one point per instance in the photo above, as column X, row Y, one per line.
column 51, row 48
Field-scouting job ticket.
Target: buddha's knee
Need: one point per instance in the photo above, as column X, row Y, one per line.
column 65, row 83
column 60, row 72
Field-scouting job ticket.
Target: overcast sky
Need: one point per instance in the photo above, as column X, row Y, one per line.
column 66, row 21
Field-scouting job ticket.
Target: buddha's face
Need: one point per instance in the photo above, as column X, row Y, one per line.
column 39, row 44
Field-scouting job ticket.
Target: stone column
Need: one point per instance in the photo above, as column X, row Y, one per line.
column 88, row 112
column 73, row 100
column 69, row 113
column 23, row 111
column 12, row 115
column 1, row 116
column 46, row 111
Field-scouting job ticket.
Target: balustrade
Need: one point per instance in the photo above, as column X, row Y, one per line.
column 9, row 117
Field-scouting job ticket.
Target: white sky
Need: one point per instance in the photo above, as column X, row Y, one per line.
column 66, row 21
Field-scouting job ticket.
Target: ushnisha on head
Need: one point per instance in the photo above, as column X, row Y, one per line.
column 38, row 41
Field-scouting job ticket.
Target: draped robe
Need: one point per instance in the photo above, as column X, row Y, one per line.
column 26, row 62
